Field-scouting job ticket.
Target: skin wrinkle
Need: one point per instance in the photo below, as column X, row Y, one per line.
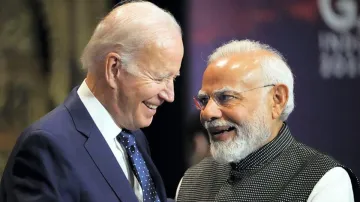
column 251, row 116
column 150, row 69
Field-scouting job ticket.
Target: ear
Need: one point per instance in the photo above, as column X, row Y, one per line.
column 280, row 98
column 112, row 68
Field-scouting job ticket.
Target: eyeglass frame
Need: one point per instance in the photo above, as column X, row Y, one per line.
column 201, row 107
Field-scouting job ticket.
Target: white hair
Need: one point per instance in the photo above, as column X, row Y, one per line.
column 250, row 136
column 128, row 29
column 274, row 67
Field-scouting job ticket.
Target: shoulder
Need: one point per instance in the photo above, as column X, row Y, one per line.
column 38, row 141
column 206, row 163
column 58, row 125
column 58, row 119
column 209, row 169
column 39, row 157
column 311, row 157
column 37, row 149
column 52, row 133
column 206, row 175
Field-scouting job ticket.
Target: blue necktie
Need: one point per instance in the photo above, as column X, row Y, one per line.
column 139, row 166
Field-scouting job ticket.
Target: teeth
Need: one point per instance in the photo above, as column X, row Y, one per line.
column 151, row 106
column 230, row 129
column 222, row 131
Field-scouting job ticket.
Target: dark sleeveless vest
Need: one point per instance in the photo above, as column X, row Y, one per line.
column 282, row 170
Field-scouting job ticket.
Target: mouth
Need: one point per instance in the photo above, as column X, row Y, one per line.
column 220, row 130
column 150, row 106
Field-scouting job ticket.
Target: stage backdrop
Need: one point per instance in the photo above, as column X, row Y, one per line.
column 320, row 40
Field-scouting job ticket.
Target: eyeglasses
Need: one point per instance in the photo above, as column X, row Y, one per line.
column 224, row 98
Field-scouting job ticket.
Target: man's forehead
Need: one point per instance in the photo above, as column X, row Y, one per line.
column 240, row 61
column 242, row 66
column 234, row 74
column 160, row 61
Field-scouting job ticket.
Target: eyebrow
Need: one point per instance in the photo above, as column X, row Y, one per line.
column 201, row 93
column 225, row 89
column 167, row 75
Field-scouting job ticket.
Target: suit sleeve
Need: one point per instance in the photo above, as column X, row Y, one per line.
column 40, row 172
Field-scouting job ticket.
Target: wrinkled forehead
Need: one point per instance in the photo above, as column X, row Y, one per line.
column 238, row 72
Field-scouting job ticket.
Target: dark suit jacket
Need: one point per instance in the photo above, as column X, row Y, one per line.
column 64, row 157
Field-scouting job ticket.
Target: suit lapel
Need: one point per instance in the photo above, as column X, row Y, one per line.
column 109, row 167
column 152, row 169
column 99, row 150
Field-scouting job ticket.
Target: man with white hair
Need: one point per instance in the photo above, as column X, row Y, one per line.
column 91, row 147
column 245, row 100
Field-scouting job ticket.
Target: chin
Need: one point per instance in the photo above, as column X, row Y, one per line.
column 145, row 122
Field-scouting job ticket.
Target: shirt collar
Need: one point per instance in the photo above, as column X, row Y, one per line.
column 102, row 118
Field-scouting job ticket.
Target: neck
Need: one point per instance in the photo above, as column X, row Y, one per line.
column 276, row 126
column 96, row 86
column 103, row 94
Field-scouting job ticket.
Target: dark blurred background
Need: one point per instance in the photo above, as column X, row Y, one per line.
column 41, row 42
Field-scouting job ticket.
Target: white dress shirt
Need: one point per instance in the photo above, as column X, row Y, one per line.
column 109, row 130
column 334, row 186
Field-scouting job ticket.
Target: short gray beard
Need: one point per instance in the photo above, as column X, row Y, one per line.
column 250, row 136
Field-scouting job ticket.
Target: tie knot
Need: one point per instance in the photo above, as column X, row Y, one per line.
column 126, row 139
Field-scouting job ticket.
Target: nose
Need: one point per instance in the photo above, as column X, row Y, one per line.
column 210, row 112
column 168, row 92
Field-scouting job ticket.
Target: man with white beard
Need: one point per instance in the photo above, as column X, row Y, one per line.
column 245, row 100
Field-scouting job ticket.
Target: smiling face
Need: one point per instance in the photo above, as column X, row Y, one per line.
column 238, row 115
column 150, row 83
